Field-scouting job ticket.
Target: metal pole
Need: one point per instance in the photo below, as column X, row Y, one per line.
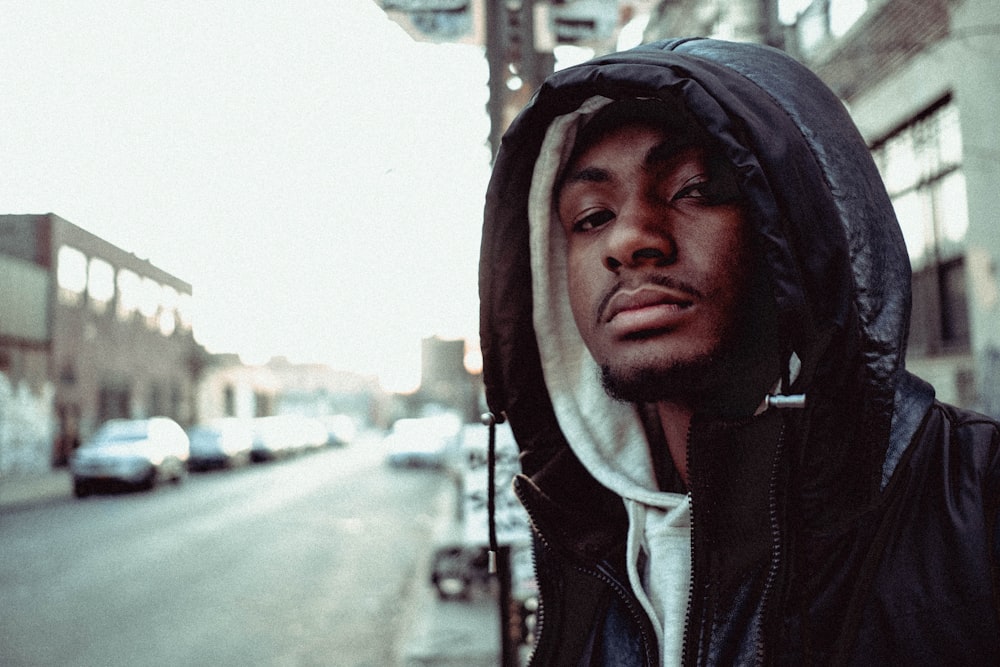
column 495, row 16
column 508, row 643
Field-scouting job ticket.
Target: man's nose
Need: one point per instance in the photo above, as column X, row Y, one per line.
column 641, row 236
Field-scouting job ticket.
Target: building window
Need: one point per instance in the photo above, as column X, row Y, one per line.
column 67, row 374
column 156, row 400
column 149, row 301
column 167, row 315
column 184, row 311
column 112, row 402
column 71, row 275
column 921, row 164
column 129, row 294
column 175, row 401
column 229, row 401
column 100, row 284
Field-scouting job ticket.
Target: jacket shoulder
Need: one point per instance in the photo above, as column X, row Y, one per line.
column 954, row 436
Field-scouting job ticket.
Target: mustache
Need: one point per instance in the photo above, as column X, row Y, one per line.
column 670, row 282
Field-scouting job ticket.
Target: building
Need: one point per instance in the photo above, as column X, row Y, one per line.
column 446, row 382
column 98, row 330
column 229, row 388
column 920, row 80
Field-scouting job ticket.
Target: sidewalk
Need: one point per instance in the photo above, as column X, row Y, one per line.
column 448, row 633
column 20, row 490
column 453, row 633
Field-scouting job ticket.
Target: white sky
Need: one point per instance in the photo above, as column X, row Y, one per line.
column 317, row 176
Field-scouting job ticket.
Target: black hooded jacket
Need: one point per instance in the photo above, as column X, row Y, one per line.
column 861, row 529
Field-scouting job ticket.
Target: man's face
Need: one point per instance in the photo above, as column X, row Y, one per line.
column 658, row 262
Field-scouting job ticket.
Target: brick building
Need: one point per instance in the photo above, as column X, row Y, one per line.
column 102, row 332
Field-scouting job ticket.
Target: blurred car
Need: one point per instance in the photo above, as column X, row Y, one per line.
column 220, row 443
column 270, row 440
column 340, row 430
column 422, row 442
column 133, row 452
column 279, row 436
column 311, row 432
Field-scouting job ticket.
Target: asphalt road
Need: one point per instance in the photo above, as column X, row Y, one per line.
column 308, row 561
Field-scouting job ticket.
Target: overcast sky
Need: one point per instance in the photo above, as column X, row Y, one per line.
column 315, row 174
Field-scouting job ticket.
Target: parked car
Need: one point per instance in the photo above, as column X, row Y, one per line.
column 270, row 440
column 132, row 452
column 279, row 436
column 422, row 442
column 341, row 430
column 220, row 443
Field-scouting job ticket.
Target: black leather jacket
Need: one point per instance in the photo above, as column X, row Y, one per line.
column 911, row 581
column 860, row 530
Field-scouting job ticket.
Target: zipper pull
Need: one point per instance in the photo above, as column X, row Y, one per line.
column 786, row 401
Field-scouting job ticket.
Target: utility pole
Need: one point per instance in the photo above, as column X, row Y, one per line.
column 496, row 13
column 516, row 66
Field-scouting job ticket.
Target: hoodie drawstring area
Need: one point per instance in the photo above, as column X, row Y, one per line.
column 491, row 420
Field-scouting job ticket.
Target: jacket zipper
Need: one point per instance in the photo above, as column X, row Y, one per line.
column 625, row 595
column 776, row 556
column 638, row 615
column 540, row 609
column 776, row 546
column 685, row 657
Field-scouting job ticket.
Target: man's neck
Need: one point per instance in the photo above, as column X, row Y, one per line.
column 675, row 418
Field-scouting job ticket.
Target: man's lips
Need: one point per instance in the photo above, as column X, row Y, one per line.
column 647, row 307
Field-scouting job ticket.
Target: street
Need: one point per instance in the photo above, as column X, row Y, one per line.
column 307, row 561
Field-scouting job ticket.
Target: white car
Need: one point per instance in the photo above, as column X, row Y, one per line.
column 220, row 443
column 135, row 452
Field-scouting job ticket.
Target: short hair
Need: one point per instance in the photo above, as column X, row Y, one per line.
column 658, row 113
column 665, row 115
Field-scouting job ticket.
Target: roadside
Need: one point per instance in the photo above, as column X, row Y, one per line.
column 452, row 633
column 26, row 489
column 461, row 632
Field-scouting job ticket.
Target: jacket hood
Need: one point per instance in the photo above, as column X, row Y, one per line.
column 839, row 268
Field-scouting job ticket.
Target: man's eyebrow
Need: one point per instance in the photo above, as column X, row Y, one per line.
column 665, row 151
column 587, row 175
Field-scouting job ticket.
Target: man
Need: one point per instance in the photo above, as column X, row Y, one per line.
column 695, row 300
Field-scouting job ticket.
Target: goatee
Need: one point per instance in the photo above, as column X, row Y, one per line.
column 680, row 380
column 728, row 381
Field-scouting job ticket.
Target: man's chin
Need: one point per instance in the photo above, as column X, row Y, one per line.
column 657, row 383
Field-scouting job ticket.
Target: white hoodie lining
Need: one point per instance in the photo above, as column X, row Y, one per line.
column 663, row 585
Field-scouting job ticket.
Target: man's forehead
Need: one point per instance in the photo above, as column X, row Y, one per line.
column 669, row 118
column 658, row 143
column 654, row 146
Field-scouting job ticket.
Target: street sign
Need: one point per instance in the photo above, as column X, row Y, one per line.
column 434, row 20
column 583, row 21
column 425, row 5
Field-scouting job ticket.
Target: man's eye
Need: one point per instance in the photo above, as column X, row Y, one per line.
column 592, row 221
column 709, row 191
column 696, row 190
